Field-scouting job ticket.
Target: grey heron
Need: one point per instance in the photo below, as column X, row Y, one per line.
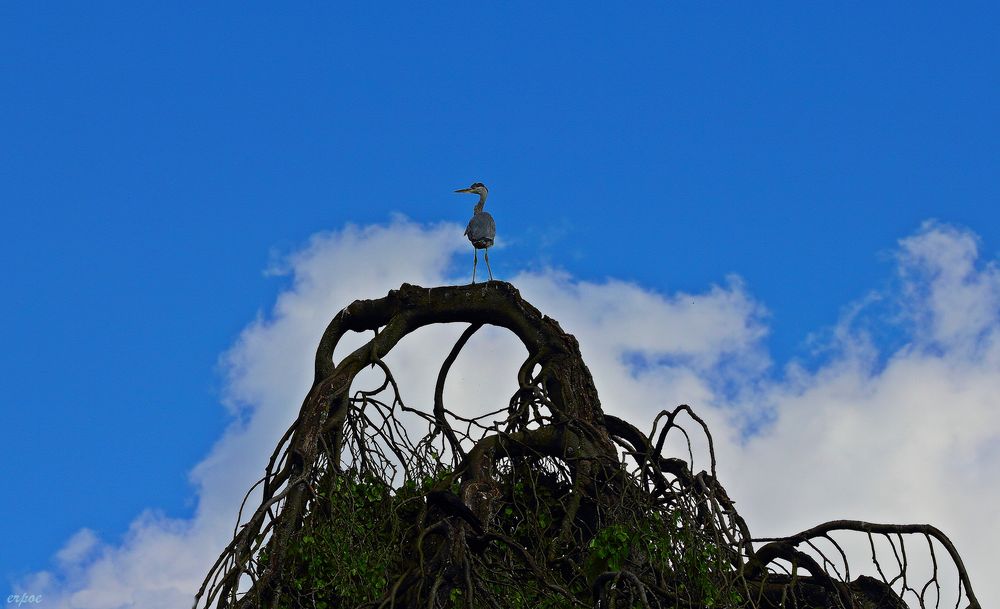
column 482, row 230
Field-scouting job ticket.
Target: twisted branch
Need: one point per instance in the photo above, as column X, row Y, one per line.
column 548, row 502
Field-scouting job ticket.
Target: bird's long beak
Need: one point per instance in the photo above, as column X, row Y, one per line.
column 464, row 190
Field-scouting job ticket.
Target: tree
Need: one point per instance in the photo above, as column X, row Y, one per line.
column 550, row 503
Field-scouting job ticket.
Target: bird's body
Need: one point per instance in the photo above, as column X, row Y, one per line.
column 482, row 230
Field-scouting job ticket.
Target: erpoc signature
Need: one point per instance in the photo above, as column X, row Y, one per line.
column 20, row 599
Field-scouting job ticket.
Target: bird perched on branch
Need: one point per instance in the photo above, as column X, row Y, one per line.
column 482, row 230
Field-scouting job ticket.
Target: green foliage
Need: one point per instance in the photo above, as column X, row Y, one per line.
column 352, row 538
column 608, row 550
column 352, row 543
column 689, row 563
column 534, row 515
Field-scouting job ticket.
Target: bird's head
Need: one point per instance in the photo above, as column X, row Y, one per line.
column 477, row 188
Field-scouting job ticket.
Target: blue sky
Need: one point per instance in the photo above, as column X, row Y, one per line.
column 157, row 160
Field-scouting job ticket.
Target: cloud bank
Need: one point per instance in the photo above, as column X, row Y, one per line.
column 906, row 435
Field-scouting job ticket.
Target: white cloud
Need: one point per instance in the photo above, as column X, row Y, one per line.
column 78, row 548
column 912, row 438
column 912, row 435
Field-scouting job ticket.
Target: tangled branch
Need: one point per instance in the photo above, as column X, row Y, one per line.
column 548, row 502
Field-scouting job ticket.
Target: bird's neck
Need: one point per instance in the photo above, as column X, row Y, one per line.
column 482, row 202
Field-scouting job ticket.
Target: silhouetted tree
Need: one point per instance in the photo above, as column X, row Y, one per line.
column 549, row 502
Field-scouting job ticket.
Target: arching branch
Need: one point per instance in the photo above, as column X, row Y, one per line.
column 546, row 503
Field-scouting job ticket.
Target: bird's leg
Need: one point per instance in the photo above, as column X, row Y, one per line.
column 475, row 261
column 486, row 253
